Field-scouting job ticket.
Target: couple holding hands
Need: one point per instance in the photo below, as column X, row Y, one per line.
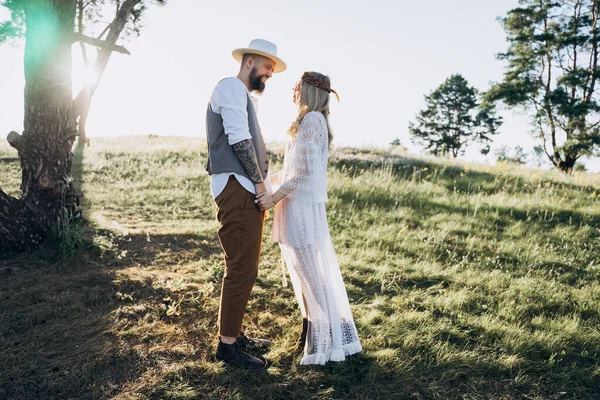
column 243, row 189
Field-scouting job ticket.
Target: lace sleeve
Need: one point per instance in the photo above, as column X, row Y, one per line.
column 306, row 164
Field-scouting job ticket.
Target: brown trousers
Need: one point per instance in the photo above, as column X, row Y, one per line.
column 240, row 234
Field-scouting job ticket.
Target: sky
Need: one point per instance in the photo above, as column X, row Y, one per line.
column 382, row 59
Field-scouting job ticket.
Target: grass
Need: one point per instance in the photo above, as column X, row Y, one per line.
column 466, row 282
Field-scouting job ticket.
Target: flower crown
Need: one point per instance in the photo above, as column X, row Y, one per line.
column 318, row 83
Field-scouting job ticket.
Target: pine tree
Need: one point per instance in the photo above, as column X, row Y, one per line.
column 453, row 118
column 552, row 71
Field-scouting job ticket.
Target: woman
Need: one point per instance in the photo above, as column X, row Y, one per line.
column 300, row 227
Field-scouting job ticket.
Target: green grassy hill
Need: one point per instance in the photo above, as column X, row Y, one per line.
column 466, row 282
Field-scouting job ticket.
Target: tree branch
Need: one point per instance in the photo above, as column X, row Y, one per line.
column 79, row 37
column 104, row 31
column 576, row 16
column 538, row 107
column 81, row 7
column 116, row 27
column 544, row 146
column 593, row 56
column 16, row 141
column 547, row 86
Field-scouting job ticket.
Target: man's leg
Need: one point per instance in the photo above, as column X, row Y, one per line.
column 240, row 235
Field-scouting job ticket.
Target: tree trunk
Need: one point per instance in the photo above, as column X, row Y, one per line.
column 48, row 203
column 81, row 125
column 567, row 164
column 82, row 122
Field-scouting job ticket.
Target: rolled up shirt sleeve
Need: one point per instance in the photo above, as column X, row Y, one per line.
column 230, row 99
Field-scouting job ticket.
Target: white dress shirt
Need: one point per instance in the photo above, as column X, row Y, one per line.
column 230, row 100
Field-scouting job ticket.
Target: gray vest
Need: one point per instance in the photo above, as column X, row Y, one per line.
column 221, row 156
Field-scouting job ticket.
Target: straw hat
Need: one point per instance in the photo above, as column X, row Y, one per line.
column 262, row 48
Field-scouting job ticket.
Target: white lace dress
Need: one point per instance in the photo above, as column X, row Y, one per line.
column 300, row 227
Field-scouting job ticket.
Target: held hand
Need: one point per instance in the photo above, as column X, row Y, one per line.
column 258, row 197
column 265, row 201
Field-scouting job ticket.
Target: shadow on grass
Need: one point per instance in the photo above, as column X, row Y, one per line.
column 390, row 373
column 9, row 160
column 68, row 328
column 501, row 216
column 85, row 329
column 359, row 377
column 453, row 177
column 497, row 220
column 385, row 285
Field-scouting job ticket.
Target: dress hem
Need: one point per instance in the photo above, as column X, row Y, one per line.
column 332, row 355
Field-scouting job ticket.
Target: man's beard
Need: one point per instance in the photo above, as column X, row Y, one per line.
column 256, row 83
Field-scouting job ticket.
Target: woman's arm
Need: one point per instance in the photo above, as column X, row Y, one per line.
column 304, row 161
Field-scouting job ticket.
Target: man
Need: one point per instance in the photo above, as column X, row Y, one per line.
column 238, row 164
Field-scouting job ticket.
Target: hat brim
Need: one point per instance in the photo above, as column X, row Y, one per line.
column 280, row 65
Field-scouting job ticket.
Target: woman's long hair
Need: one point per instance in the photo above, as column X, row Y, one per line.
column 312, row 99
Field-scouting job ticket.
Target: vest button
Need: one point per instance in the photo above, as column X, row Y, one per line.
column 266, row 171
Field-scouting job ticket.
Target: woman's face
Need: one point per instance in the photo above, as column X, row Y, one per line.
column 297, row 88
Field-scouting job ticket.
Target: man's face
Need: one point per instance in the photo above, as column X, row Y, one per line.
column 261, row 71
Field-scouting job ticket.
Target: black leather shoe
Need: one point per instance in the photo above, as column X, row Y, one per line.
column 252, row 344
column 233, row 355
column 302, row 340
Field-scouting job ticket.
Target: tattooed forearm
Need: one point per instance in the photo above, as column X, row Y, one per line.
column 247, row 155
